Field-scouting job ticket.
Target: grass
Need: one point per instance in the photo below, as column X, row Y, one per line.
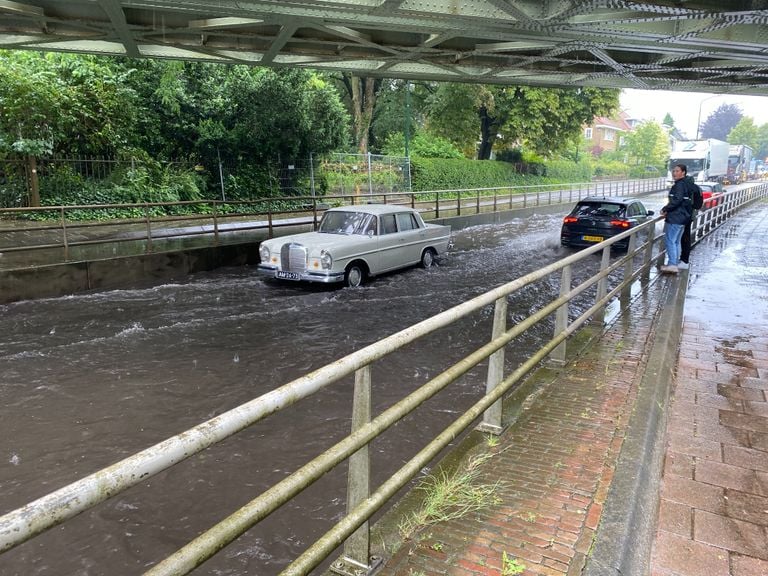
column 491, row 440
column 510, row 565
column 450, row 496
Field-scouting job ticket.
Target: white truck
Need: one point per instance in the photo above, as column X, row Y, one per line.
column 739, row 163
column 707, row 160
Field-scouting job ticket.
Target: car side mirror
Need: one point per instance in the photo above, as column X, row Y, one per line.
column 650, row 212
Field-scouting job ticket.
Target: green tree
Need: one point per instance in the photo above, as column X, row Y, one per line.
column 237, row 113
column 761, row 151
column 668, row 120
column 399, row 109
column 360, row 95
column 282, row 113
column 647, row 145
column 745, row 132
column 62, row 102
column 721, row 122
column 544, row 120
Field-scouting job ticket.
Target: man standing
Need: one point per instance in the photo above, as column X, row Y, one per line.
column 693, row 192
column 677, row 212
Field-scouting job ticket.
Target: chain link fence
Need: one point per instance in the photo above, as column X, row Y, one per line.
column 89, row 179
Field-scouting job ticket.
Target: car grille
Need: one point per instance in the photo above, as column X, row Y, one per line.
column 293, row 257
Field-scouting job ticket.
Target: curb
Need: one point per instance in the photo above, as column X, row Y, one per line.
column 627, row 529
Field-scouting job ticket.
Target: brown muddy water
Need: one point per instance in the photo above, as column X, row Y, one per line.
column 87, row 380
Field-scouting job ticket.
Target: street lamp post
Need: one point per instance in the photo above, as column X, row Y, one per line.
column 698, row 119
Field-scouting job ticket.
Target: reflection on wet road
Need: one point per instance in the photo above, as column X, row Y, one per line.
column 741, row 276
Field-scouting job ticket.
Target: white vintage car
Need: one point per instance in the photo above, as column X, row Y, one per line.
column 353, row 243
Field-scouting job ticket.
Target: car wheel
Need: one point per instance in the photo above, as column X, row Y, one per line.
column 427, row 258
column 354, row 276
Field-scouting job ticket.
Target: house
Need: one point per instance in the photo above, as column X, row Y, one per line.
column 607, row 134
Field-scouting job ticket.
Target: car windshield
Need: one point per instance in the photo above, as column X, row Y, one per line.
column 338, row 222
column 598, row 209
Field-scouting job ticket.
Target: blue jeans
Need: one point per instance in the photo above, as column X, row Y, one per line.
column 672, row 235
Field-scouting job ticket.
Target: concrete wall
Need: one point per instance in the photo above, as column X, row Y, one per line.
column 124, row 272
column 149, row 269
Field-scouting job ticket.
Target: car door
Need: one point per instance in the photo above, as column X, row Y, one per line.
column 401, row 240
column 389, row 243
column 412, row 237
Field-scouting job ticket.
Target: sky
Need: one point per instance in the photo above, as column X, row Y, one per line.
column 684, row 107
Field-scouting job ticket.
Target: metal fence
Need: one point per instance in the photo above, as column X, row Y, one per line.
column 643, row 252
column 46, row 235
column 224, row 180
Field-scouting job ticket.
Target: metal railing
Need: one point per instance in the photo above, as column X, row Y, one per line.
column 53, row 234
column 615, row 278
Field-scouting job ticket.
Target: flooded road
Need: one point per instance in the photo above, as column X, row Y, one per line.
column 87, row 380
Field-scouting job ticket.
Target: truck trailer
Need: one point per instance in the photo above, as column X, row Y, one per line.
column 706, row 160
column 739, row 164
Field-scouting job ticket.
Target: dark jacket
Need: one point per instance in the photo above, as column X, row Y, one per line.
column 679, row 208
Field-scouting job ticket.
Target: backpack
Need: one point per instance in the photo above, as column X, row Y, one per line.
column 698, row 199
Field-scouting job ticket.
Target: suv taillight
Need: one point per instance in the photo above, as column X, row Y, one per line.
column 570, row 220
column 621, row 223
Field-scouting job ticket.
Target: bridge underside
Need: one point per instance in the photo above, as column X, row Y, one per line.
column 683, row 45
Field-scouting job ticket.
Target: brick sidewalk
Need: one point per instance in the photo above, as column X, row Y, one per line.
column 555, row 465
column 713, row 515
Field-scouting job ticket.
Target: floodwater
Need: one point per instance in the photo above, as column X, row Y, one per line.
column 87, row 380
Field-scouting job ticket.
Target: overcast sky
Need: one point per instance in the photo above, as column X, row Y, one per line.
column 684, row 106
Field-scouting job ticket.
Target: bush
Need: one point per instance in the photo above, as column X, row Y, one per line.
column 567, row 171
column 610, row 169
column 440, row 174
column 423, row 145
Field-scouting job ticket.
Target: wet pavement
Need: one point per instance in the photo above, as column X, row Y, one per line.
column 646, row 454
column 713, row 514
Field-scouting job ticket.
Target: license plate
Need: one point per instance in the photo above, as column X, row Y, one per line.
column 283, row 275
column 593, row 238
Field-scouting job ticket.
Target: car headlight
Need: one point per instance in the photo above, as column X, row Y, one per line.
column 326, row 260
column 263, row 253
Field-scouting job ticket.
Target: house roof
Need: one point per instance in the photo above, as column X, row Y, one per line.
column 618, row 122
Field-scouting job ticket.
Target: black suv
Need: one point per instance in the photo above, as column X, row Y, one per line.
column 595, row 219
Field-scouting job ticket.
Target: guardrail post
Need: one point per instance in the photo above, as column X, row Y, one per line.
column 357, row 546
column 215, row 223
column 437, row 204
column 64, row 234
column 149, row 227
column 557, row 356
column 602, row 284
column 271, row 232
column 629, row 267
column 458, row 203
column 651, row 240
column 478, row 203
column 492, row 416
